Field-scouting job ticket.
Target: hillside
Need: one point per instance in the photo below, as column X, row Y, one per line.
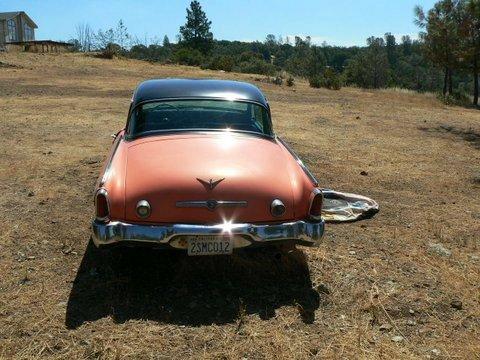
column 404, row 284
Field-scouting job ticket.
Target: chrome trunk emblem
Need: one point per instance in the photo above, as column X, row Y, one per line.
column 210, row 185
column 210, row 204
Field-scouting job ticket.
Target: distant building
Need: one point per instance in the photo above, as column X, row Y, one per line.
column 17, row 33
column 16, row 27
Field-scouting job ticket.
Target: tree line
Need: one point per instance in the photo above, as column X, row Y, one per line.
column 451, row 39
column 444, row 58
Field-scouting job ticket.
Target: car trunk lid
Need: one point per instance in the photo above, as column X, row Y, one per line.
column 207, row 178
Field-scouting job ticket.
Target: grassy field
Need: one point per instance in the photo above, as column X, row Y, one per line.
column 402, row 285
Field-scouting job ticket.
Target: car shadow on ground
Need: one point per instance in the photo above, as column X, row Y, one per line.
column 168, row 286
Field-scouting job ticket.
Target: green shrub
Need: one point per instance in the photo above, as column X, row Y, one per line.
column 110, row 51
column 290, row 81
column 255, row 66
column 139, row 52
column 328, row 79
column 458, row 98
column 332, row 80
column 223, row 62
column 316, row 81
column 248, row 56
column 152, row 53
column 187, row 56
column 277, row 80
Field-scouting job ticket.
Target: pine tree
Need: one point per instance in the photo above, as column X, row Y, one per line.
column 166, row 41
column 407, row 45
column 370, row 68
column 469, row 31
column 391, row 45
column 196, row 33
column 441, row 37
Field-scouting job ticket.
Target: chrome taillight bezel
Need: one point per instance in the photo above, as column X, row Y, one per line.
column 102, row 192
column 316, row 192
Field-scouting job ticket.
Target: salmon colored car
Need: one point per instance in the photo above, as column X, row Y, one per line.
column 198, row 167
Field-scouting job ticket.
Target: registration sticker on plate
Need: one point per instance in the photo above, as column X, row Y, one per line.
column 199, row 245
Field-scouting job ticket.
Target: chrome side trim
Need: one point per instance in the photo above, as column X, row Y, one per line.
column 300, row 162
column 302, row 232
column 106, row 173
column 211, row 204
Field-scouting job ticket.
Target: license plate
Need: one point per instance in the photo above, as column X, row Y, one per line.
column 209, row 245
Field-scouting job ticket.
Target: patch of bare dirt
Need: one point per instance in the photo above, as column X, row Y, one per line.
column 469, row 135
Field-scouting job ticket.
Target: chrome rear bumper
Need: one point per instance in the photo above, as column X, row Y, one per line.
column 245, row 235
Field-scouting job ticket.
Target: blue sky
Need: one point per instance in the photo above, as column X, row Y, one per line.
column 338, row 22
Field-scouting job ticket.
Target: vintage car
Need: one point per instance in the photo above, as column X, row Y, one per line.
column 198, row 167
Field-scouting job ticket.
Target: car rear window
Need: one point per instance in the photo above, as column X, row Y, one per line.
column 188, row 115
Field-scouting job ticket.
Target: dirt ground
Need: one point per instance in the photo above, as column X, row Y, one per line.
column 402, row 285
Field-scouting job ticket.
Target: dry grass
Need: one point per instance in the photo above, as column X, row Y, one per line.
column 366, row 284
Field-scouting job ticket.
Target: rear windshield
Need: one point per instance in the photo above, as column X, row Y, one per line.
column 187, row 115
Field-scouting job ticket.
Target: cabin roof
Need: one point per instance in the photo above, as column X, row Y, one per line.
column 12, row 14
column 160, row 89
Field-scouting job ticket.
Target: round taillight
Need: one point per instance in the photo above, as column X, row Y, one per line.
column 143, row 209
column 316, row 202
column 277, row 208
column 102, row 209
